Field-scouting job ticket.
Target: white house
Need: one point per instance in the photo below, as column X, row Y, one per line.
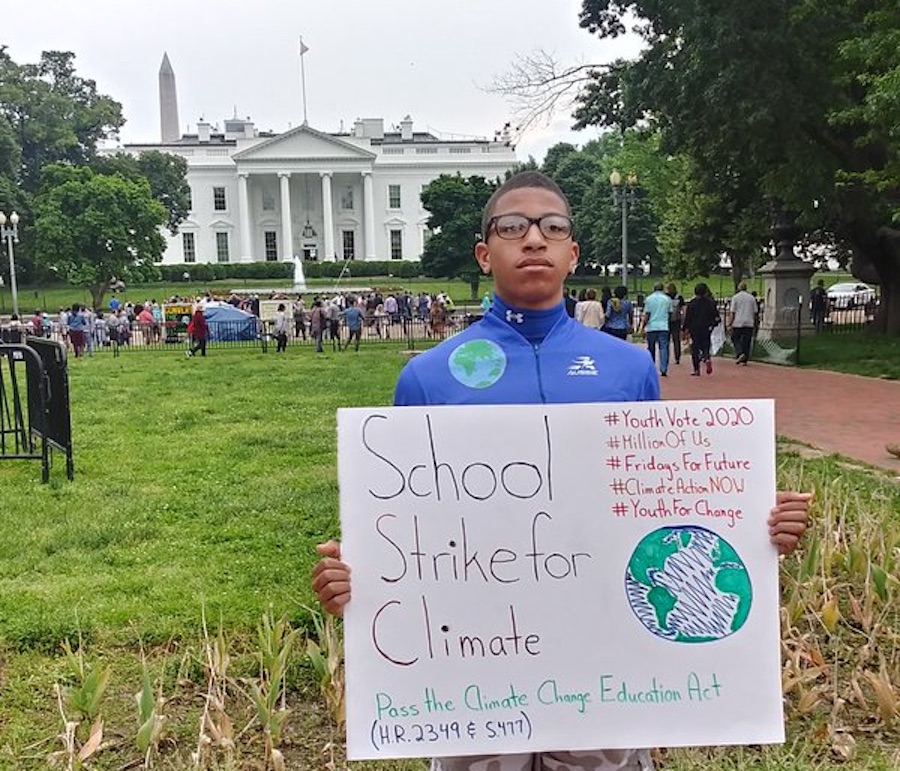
column 320, row 196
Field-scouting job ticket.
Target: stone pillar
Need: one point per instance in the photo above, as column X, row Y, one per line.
column 328, row 216
column 369, row 215
column 287, row 232
column 244, row 214
column 785, row 285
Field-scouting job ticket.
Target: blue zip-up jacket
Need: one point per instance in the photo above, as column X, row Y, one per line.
column 517, row 356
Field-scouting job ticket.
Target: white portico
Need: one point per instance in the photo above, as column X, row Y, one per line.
column 315, row 190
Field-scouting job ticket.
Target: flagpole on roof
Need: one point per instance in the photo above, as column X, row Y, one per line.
column 303, row 49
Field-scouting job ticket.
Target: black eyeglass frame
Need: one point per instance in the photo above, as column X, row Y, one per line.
column 492, row 226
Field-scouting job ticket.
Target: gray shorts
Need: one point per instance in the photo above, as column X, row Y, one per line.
column 584, row 760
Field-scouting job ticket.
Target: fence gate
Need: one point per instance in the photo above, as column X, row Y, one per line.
column 34, row 404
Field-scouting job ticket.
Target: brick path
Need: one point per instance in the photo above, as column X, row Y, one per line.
column 836, row 413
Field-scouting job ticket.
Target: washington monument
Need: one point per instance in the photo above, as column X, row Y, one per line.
column 168, row 103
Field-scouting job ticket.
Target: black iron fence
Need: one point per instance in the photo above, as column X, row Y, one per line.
column 252, row 333
column 414, row 331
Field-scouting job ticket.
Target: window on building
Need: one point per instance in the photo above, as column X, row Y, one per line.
column 393, row 196
column 190, row 199
column 348, row 239
column 189, row 247
column 396, row 244
column 347, row 199
column 219, row 198
column 268, row 200
column 271, row 246
column 222, row 253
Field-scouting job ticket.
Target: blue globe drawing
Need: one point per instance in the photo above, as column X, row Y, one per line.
column 478, row 363
column 687, row 584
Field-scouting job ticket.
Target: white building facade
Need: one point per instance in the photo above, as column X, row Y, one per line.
column 314, row 195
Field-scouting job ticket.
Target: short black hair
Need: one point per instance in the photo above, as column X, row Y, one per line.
column 516, row 182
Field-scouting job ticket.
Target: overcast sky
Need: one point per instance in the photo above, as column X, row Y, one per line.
column 431, row 59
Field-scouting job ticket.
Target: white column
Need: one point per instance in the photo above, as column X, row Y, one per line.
column 369, row 215
column 328, row 215
column 244, row 214
column 287, row 232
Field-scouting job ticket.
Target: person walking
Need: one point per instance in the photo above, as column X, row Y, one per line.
column 299, row 311
column 700, row 318
column 353, row 317
column 77, row 328
column 818, row 306
column 619, row 314
column 676, row 315
column 281, row 329
column 655, row 321
column 198, row 331
column 528, row 248
column 740, row 321
column 590, row 311
column 318, row 321
column 333, row 316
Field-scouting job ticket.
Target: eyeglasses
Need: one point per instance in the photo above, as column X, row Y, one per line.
column 554, row 227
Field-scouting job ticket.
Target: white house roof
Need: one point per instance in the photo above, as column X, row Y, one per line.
column 303, row 142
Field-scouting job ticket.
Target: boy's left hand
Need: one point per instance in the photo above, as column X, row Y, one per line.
column 788, row 520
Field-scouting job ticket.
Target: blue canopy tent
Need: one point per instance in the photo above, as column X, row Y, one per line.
column 229, row 324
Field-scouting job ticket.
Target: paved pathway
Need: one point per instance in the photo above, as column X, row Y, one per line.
column 846, row 414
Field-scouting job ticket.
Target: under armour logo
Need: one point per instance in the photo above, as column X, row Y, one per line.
column 517, row 317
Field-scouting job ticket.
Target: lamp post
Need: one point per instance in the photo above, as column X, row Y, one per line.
column 10, row 234
column 623, row 193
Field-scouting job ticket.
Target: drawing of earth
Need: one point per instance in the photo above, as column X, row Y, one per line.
column 478, row 363
column 687, row 584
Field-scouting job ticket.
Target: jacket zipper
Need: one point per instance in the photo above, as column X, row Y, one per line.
column 537, row 364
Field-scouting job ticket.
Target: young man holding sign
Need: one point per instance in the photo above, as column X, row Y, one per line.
column 527, row 350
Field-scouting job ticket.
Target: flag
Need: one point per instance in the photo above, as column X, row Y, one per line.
column 303, row 47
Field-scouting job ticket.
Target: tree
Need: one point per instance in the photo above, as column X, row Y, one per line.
column 55, row 114
column 95, row 228
column 47, row 114
column 794, row 101
column 583, row 175
column 455, row 205
column 166, row 173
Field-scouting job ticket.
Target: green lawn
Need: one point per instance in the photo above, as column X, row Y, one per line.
column 202, row 486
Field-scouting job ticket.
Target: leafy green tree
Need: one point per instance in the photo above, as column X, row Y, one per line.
column 47, row 113
column 789, row 101
column 455, row 204
column 583, row 175
column 55, row 114
column 166, row 173
column 95, row 228
column 555, row 156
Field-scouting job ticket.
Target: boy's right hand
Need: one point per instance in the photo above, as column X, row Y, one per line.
column 331, row 578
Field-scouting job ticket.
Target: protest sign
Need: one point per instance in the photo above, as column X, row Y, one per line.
column 540, row 577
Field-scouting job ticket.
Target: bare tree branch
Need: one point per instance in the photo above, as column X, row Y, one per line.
column 538, row 87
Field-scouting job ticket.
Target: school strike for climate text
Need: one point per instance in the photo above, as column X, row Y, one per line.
column 539, row 576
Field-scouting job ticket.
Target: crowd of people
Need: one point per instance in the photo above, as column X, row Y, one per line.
column 669, row 323
column 83, row 330
column 339, row 315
